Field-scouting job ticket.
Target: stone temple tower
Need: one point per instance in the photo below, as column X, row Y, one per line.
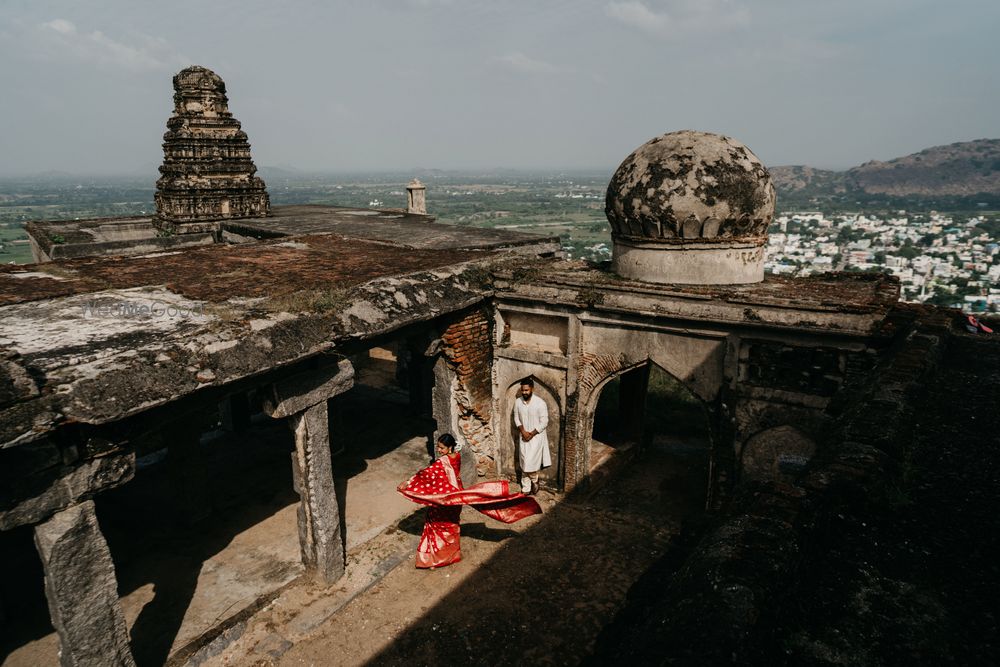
column 207, row 172
column 690, row 208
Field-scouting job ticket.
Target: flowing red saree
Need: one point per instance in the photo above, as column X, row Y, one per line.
column 439, row 486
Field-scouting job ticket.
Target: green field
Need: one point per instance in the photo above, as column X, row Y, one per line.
column 568, row 205
column 14, row 246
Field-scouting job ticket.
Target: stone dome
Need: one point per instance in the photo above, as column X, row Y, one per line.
column 703, row 193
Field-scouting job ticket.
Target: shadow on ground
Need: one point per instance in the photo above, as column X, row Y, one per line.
column 545, row 594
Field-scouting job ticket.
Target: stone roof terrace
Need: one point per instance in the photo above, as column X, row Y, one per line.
column 97, row 339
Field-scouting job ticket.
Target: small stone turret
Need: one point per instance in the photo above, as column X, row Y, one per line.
column 416, row 197
column 690, row 208
column 207, row 172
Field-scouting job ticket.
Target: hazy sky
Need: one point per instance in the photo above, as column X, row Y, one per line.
column 85, row 86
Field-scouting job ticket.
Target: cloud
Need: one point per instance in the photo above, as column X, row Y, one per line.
column 680, row 17
column 60, row 39
column 522, row 63
column 61, row 26
column 423, row 4
column 638, row 15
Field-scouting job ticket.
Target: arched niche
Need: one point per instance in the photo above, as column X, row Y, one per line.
column 509, row 434
column 777, row 453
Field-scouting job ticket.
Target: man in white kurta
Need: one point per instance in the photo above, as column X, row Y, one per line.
column 531, row 416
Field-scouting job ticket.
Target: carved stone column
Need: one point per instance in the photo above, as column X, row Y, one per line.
column 81, row 589
column 318, row 514
column 302, row 399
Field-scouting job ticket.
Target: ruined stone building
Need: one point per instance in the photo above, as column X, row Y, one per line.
column 132, row 338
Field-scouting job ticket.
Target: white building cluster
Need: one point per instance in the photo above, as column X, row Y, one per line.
column 935, row 257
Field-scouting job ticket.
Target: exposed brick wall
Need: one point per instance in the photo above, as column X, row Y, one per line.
column 594, row 369
column 467, row 345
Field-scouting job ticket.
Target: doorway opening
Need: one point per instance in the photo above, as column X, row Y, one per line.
column 646, row 412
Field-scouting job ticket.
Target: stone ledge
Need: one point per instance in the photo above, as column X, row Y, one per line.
column 295, row 394
column 71, row 486
column 532, row 357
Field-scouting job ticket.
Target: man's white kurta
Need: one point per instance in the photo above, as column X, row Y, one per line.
column 533, row 416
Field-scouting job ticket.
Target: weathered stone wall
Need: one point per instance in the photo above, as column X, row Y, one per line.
column 467, row 348
column 779, row 384
column 705, row 603
column 810, row 370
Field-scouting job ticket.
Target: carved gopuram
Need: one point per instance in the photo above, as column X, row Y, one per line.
column 124, row 364
column 207, row 171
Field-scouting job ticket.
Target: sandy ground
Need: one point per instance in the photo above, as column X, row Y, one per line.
column 535, row 592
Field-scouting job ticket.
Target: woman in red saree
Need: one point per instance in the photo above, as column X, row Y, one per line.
column 439, row 486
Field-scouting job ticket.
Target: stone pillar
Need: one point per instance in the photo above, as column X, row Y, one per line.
column 81, row 589
column 235, row 412
column 442, row 401
column 320, row 540
column 576, row 439
column 632, row 402
column 303, row 400
column 416, row 197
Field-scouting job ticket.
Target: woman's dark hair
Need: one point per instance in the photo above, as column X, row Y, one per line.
column 448, row 440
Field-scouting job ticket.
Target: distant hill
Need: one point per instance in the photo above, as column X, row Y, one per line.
column 956, row 171
column 799, row 178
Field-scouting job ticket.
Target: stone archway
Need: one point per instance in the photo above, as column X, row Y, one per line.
column 594, row 374
column 553, row 476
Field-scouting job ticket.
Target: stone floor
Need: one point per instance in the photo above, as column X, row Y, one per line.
column 179, row 580
column 534, row 592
